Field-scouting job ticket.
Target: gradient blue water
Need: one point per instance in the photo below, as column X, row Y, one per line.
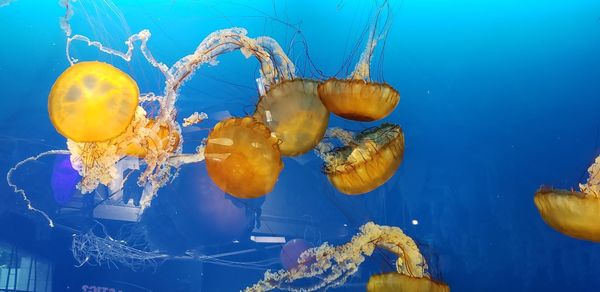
column 497, row 98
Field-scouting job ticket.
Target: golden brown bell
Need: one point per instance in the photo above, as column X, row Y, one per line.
column 242, row 157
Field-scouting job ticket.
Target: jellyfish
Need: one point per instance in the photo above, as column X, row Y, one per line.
column 331, row 265
column 396, row 282
column 574, row 213
column 291, row 106
column 366, row 161
column 100, row 111
column 92, row 101
column 358, row 98
column 293, row 111
column 242, row 157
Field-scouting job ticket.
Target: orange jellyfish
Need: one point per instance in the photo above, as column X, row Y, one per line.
column 293, row 111
column 396, row 282
column 367, row 162
column 92, row 102
column 574, row 213
column 242, row 157
column 358, row 98
column 291, row 106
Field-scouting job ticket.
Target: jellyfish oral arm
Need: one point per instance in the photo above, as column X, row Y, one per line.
column 283, row 64
column 362, row 68
column 228, row 40
column 194, row 118
column 592, row 186
column 333, row 265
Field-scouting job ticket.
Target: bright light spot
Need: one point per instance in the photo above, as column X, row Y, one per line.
column 415, row 222
column 267, row 239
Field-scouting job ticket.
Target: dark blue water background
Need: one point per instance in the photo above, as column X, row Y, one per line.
column 497, row 98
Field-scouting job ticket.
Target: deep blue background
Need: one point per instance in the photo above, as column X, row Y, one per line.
column 497, row 98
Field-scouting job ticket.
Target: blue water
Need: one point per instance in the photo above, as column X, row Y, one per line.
column 497, row 98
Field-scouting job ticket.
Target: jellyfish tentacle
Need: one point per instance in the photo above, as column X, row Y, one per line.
column 362, row 69
column 592, row 185
column 357, row 98
column 286, row 70
column 16, row 189
column 216, row 44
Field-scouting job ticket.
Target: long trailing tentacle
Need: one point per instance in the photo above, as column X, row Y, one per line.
column 18, row 190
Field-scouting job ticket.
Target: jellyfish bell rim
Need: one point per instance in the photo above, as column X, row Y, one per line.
column 350, row 111
column 375, row 283
column 570, row 212
column 62, row 79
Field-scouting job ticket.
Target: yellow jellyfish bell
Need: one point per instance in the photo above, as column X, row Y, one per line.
column 575, row 214
column 92, row 102
column 242, row 157
column 369, row 163
column 396, row 282
column 294, row 112
column 358, row 100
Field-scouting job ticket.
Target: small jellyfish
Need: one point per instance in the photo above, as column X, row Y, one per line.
column 164, row 139
column 574, row 213
column 293, row 111
column 367, row 162
column 92, row 102
column 242, row 157
column 396, row 282
column 358, row 98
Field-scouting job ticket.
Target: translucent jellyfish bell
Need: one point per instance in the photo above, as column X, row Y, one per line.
column 92, row 102
column 243, row 158
column 396, row 282
column 368, row 162
column 293, row 111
